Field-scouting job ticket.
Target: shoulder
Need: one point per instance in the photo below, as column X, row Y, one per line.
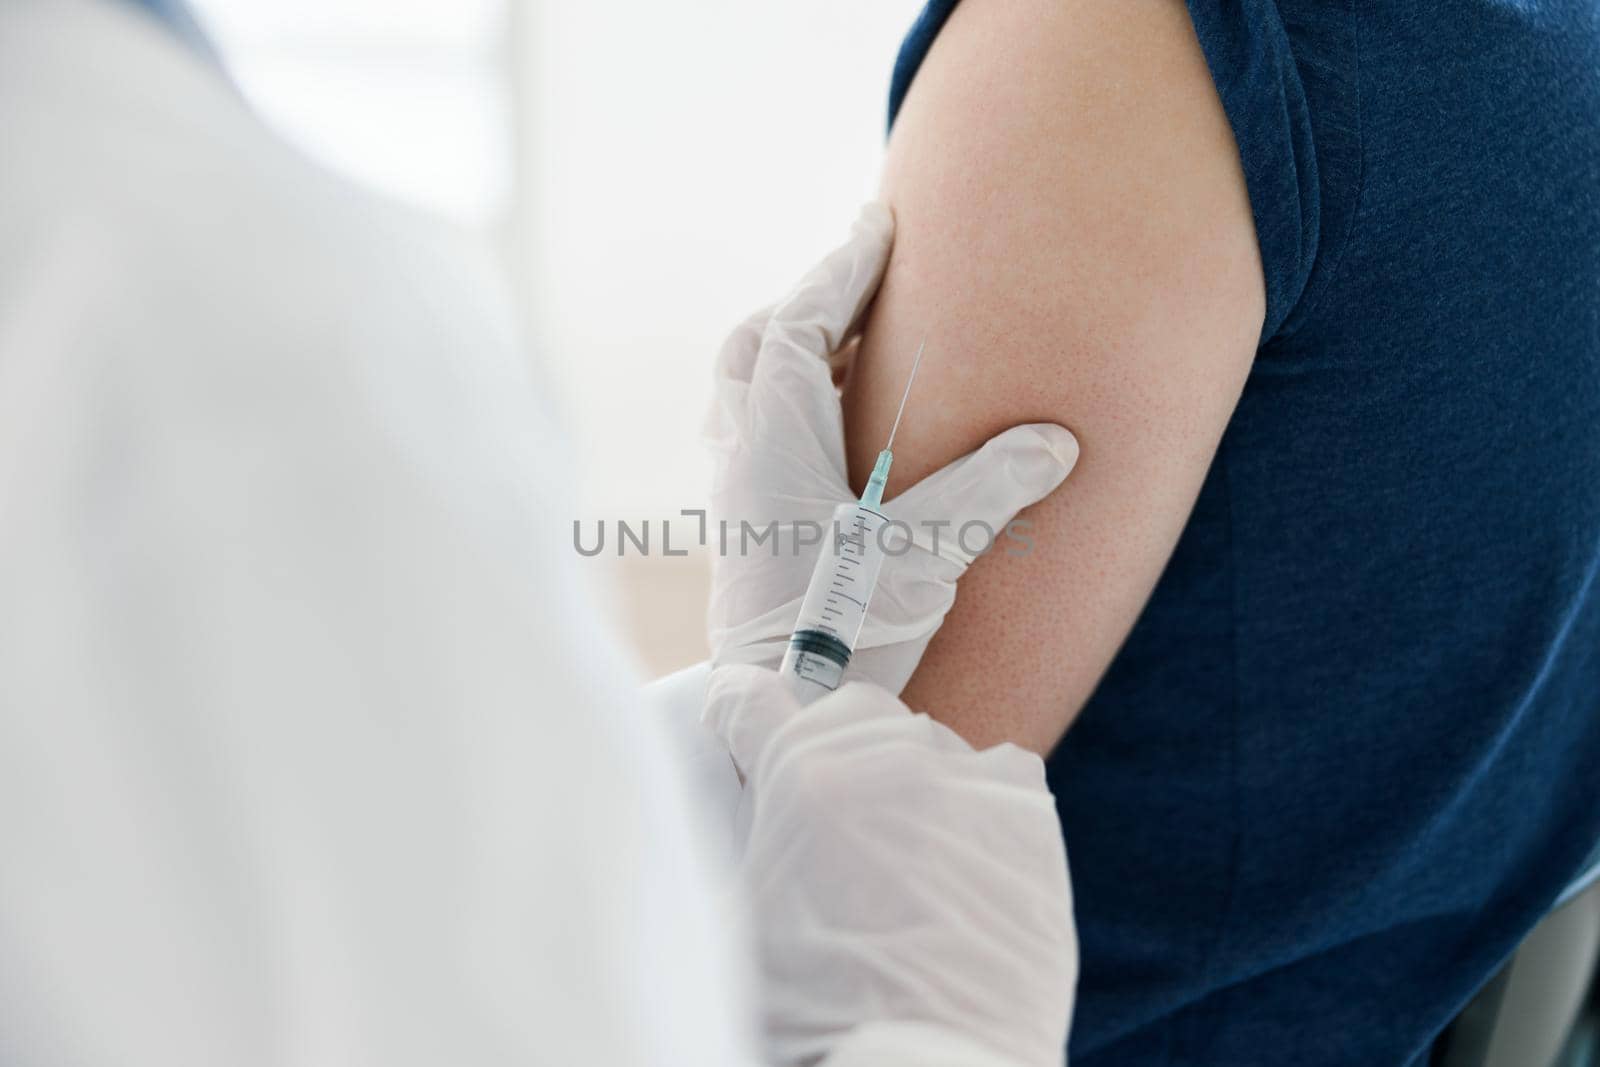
column 1276, row 90
column 1067, row 176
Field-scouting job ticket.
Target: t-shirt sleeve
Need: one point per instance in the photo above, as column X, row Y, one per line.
column 1247, row 48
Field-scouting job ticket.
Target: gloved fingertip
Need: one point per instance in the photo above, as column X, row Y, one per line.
column 1037, row 457
column 1060, row 443
column 875, row 217
column 868, row 699
column 1011, row 764
column 745, row 705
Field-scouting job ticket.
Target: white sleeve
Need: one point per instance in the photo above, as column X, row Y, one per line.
column 312, row 750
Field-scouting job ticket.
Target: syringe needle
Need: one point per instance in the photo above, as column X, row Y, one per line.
column 872, row 495
column 915, row 363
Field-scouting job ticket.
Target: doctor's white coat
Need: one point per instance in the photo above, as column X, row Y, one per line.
column 310, row 749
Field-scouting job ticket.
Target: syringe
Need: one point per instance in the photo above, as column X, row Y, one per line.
column 841, row 586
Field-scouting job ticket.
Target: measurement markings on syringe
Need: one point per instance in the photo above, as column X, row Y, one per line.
column 836, row 600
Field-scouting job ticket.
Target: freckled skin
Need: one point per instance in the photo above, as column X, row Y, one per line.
column 1074, row 237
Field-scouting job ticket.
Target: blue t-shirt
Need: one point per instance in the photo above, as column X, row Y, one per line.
column 1350, row 753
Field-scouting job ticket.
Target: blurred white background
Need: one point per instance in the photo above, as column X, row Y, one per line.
column 651, row 172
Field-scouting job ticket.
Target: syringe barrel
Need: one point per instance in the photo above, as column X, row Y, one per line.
column 836, row 602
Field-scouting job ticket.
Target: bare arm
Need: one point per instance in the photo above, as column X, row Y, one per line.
column 1075, row 239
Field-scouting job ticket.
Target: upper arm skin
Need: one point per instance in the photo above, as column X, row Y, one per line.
column 1075, row 240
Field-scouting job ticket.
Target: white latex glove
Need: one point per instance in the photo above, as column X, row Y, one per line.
column 777, row 432
column 910, row 895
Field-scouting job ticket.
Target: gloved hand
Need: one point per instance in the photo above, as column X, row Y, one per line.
column 910, row 896
column 777, row 431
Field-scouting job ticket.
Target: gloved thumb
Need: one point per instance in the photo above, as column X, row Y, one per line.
column 746, row 706
column 817, row 318
column 988, row 487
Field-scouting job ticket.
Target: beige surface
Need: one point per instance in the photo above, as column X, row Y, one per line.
column 663, row 604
